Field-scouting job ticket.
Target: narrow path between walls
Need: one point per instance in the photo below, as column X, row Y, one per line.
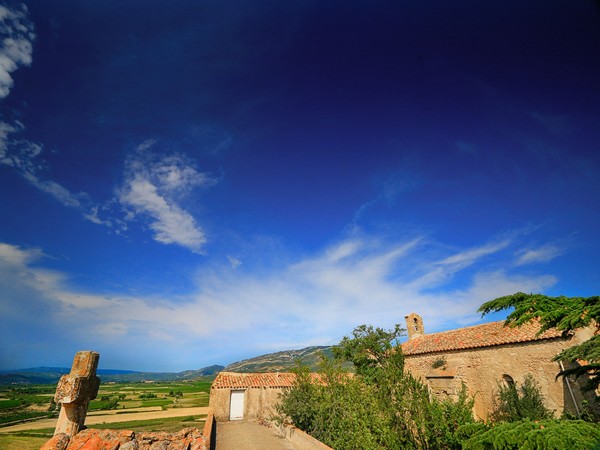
column 249, row 435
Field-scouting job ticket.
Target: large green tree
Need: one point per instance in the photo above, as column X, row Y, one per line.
column 565, row 314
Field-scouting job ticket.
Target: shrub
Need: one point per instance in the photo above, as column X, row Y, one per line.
column 381, row 407
column 147, row 395
column 532, row 435
column 516, row 403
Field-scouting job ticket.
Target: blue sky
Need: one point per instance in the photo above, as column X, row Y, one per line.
column 192, row 183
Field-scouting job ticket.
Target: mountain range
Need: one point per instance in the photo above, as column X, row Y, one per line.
column 272, row 362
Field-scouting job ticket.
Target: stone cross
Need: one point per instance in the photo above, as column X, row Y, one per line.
column 74, row 392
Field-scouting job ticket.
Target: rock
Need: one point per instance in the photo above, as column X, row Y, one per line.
column 74, row 392
column 92, row 439
column 58, row 442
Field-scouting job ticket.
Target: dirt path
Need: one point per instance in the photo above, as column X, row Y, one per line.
column 248, row 435
column 112, row 418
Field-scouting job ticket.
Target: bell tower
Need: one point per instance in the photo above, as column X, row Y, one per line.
column 414, row 325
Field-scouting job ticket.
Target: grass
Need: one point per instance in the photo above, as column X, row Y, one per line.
column 15, row 415
column 4, row 404
column 33, row 440
column 170, row 424
column 157, row 402
column 14, row 442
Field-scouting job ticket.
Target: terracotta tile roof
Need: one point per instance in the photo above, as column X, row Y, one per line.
column 484, row 335
column 233, row 380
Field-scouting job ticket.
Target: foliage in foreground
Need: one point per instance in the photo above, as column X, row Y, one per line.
column 546, row 434
column 566, row 314
column 515, row 402
column 381, row 407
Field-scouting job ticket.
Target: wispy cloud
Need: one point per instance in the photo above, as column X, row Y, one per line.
column 315, row 300
column 153, row 187
column 17, row 34
column 541, row 254
column 467, row 257
column 16, row 31
column 556, row 124
column 25, row 158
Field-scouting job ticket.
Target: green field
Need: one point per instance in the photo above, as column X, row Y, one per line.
column 17, row 403
column 23, row 402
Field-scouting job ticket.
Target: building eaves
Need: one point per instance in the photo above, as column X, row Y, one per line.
column 234, row 380
column 484, row 335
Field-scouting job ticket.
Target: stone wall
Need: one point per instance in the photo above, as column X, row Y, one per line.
column 259, row 403
column 481, row 369
column 299, row 439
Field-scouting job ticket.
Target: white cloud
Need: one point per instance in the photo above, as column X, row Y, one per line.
column 311, row 301
column 233, row 261
column 154, row 187
column 57, row 191
column 25, row 158
column 539, row 255
column 467, row 257
column 16, row 256
column 16, row 33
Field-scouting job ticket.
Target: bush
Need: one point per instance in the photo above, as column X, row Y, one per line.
column 381, row 407
column 514, row 403
column 147, row 395
column 532, row 435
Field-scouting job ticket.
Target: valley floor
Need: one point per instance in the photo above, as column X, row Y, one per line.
column 101, row 417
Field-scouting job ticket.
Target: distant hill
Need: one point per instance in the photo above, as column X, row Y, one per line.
column 281, row 361
column 272, row 362
column 50, row 375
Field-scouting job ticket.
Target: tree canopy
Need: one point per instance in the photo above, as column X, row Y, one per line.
column 382, row 406
column 566, row 314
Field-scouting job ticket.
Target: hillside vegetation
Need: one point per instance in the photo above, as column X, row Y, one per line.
column 51, row 375
column 282, row 361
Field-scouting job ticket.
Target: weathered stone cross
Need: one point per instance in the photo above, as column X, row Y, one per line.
column 74, row 392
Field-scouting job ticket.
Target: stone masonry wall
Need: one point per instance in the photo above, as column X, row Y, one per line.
column 481, row 369
column 259, row 403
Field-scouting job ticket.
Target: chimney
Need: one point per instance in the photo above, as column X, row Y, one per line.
column 414, row 325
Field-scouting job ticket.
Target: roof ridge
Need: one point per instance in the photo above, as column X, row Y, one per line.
column 458, row 329
column 482, row 335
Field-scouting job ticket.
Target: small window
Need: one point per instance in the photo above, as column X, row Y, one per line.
column 508, row 380
column 416, row 324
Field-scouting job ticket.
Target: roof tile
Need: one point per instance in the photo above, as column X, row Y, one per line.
column 233, row 380
column 484, row 335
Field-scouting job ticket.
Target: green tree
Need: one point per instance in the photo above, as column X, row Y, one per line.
column 565, row 314
column 381, row 406
column 520, row 402
column 371, row 350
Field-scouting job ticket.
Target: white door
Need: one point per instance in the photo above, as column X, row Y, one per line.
column 236, row 405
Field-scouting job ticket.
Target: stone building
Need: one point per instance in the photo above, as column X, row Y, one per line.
column 480, row 356
column 483, row 356
column 236, row 396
